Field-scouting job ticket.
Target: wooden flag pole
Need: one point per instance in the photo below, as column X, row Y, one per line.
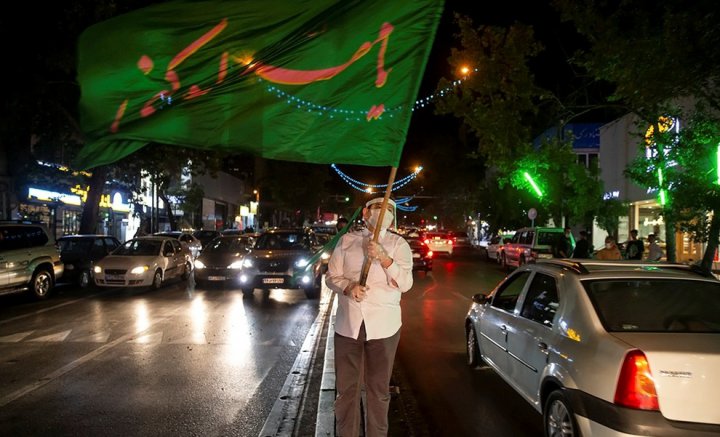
column 376, row 231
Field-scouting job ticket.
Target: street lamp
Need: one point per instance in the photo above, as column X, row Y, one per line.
column 257, row 196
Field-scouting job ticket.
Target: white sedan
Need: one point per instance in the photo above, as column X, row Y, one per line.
column 144, row 262
column 613, row 348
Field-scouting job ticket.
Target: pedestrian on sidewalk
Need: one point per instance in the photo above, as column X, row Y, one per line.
column 655, row 252
column 610, row 251
column 582, row 248
column 368, row 319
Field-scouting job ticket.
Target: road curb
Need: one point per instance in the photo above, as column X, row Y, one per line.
column 325, row 422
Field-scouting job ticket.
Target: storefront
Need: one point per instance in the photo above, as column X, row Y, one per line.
column 62, row 212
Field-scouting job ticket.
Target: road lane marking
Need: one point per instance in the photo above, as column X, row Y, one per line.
column 58, row 336
column 72, row 365
column 44, row 310
column 14, row 338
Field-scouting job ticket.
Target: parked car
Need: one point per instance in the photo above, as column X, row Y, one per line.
column 144, row 262
column 605, row 347
column 206, row 236
column 421, row 254
column 280, row 259
column 29, row 259
column 221, row 260
column 79, row 253
column 439, row 242
column 496, row 245
column 530, row 244
column 192, row 243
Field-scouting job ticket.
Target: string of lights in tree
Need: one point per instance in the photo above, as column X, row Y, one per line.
column 374, row 188
column 347, row 114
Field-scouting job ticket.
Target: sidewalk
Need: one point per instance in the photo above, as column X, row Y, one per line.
column 404, row 416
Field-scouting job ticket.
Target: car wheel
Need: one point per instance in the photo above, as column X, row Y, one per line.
column 41, row 284
column 248, row 291
column 558, row 417
column 84, row 280
column 157, row 280
column 471, row 345
column 186, row 271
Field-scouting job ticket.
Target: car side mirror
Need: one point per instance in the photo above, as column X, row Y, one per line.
column 480, row 298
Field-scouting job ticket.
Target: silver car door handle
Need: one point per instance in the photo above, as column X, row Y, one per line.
column 503, row 328
column 542, row 346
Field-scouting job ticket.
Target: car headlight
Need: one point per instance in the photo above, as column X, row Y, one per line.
column 97, row 269
column 199, row 264
column 236, row 265
column 247, row 262
column 139, row 270
column 302, row 262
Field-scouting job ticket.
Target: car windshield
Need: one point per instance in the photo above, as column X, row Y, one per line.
column 281, row 241
column 656, row 305
column 79, row 245
column 227, row 245
column 139, row 248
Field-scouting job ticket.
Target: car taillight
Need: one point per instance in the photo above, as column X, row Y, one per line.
column 636, row 386
column 450, row 242
column 430, row 254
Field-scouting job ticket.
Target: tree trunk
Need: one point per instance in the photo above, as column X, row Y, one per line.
column 91, row 208
column 670, row 246
column 712, row 245
column 168, row 206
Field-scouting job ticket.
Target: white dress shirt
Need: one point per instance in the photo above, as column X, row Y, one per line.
column 380, row 310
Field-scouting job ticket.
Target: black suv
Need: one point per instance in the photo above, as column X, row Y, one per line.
column 29, row 259
column 81, row 252
column 281, row 258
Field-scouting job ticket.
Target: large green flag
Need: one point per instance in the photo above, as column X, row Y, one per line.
column 300, row 80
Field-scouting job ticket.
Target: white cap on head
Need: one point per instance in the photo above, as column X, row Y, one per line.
column 379, row 200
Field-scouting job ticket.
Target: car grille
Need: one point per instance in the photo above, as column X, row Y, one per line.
column 273, row 265
column 115, row 272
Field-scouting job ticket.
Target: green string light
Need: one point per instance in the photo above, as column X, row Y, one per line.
column 662, row 190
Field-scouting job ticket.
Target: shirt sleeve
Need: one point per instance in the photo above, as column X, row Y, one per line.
column 401, row 269
column 334, row 278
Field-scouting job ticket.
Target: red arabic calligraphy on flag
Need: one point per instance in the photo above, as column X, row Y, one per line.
column 309, row 81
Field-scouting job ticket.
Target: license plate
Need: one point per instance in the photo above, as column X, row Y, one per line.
column 273, row 280
column 114, row 278
column 216, row 278
column 416, row 255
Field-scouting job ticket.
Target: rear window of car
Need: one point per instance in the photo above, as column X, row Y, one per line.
column 548, row 238
column 656, row 305
column 435, row 235
column 79, row 245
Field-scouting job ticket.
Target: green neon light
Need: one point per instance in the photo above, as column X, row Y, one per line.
column 718, row 164
column 534, row 185
column 663, row 197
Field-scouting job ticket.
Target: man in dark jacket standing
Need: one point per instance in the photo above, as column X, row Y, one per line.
column 582, row 246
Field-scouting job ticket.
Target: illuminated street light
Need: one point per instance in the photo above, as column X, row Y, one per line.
column 257, row 195
column 464, row 70
column 419, row 168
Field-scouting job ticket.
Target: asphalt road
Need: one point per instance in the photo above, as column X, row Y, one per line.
column 178, row 361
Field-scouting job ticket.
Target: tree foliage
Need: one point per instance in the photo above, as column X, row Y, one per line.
column 505, row 109
column 656, row 54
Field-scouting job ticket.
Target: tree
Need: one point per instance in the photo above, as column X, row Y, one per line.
column 504, row 107
column 655, row 54
column 297, row 188
column 569, row 190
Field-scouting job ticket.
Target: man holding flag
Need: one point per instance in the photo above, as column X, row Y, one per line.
column 368, row 320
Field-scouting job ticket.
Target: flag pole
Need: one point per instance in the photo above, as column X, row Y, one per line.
column 376, row 231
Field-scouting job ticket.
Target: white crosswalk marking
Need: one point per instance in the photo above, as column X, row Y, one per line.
column 98, row 337
column 155, row 338
column 14, row 338
column 57, row 337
